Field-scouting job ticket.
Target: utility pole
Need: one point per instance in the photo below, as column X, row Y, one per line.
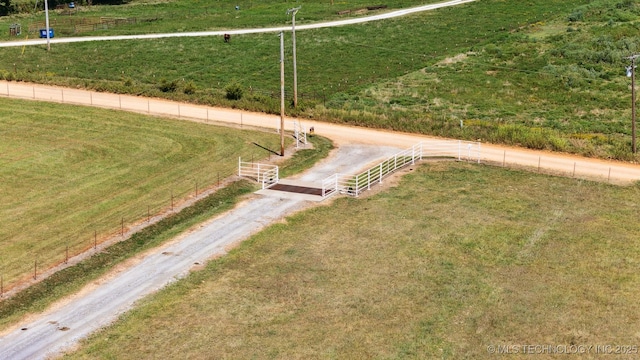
column 281, row 93
column 295, row 68
column 631, row 72
column 46, row 16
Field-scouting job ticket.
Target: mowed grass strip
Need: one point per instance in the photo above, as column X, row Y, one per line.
column 67, row 173
column 455, row 258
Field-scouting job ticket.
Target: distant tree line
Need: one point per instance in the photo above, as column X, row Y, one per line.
column 8, row 7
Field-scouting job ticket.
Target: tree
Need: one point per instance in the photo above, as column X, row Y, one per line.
column 5, row 7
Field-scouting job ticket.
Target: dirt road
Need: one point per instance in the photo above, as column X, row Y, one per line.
column 65, row 323
column 543, row 161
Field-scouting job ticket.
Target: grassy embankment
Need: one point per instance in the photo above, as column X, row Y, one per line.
column 454, row 259
column 541, row 74
column 71, row 279
column 73, row 175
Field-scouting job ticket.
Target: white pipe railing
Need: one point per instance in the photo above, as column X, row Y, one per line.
column 461, row 150
column 354, row 184
column 270, row 177
column 330, row 185
column 266, row 174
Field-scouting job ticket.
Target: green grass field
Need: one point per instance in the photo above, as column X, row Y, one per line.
column 67, row 173
column 542, row 74
column 71, row 279
column 455, row 258
column 184, row 15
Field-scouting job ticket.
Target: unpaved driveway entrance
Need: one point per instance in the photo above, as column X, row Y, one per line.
column 65, row 323
column 557, row 163
column 100, row 303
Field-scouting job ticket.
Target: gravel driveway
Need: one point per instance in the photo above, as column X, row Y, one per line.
column 101, row 302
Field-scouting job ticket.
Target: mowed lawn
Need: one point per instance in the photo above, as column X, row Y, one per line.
column 69, row 173
column 454, row 259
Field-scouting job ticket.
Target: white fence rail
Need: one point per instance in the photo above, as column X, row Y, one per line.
column 330, row 185
column 299, row 133
column 462, row 150
column 265, row 174
column 355, row 184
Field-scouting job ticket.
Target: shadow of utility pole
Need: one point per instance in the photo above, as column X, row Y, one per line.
column 269, row 150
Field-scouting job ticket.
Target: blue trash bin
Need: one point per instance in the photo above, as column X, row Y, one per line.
column 43, row 33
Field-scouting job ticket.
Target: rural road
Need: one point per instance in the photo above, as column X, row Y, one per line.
column 554, row 163
column 351, row 21
column 62, row 325
column 543, row 161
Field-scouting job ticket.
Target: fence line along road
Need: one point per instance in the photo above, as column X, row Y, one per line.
column 541, row 161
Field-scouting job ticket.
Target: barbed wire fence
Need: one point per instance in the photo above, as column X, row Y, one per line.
column 111, row 228
column 33, row 266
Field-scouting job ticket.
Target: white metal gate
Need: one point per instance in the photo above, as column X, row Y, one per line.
column 265, row 174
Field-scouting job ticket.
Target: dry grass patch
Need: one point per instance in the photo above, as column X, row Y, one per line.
column 455, row 258
column 452, row 60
